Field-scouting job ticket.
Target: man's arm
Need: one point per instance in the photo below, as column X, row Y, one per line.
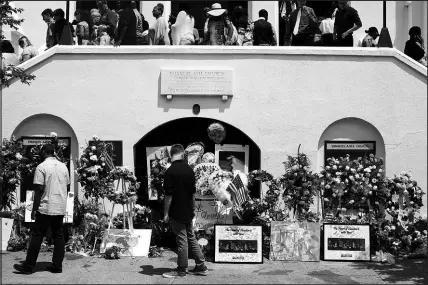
column 169, row 190
column 357, row 24
column 168, row 200
column 39, row 189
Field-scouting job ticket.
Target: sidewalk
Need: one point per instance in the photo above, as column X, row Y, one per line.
column 143, row 270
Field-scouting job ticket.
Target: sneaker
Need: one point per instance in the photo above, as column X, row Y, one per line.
column 53, row 269
column 174, row 273
column 23, row 268
column 200, row 269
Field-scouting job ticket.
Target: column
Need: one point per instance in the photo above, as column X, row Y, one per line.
column 271, row 7
column 424, row 22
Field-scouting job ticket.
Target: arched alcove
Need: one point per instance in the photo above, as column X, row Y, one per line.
column 186, row 131
column 350, row 129
column 43, row 125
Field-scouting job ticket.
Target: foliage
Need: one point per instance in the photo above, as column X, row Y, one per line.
column 93, row 170
column 123, row 196
column 155, row 251
column 141, row 218
column 7, row 12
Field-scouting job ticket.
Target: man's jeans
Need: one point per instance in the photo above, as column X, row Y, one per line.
column 42, row 223
column 186, row 241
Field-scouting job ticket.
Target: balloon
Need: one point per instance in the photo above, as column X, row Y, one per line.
column 216, row 132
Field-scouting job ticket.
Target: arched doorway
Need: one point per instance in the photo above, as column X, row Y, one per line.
column 186, row 131
column 41, row 125
column 353, row 130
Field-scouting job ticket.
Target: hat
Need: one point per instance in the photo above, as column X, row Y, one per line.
column 372, row 30
column 216, row 10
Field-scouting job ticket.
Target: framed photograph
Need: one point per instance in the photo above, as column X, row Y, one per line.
column 154, row 154
column 232, row 157
column 295, row 241
column 344, row 242
column 238, row 244
column 355, row 149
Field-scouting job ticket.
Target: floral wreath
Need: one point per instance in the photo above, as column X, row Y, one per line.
column 128, row 179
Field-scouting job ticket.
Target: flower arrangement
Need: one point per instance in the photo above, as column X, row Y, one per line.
column 158, row 167
column 93, row 169
column 202, row 174
column 141, row 218
column 112, row 252
column 405, row 194
column 354, row 184
column 219, row 181
column 129, row 181
column 301, row 186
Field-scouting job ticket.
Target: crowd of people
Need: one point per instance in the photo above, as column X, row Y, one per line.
column 127, row 26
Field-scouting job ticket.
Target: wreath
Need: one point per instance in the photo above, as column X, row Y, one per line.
column 123, row 196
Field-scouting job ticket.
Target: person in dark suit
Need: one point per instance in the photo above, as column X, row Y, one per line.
column 263, row 33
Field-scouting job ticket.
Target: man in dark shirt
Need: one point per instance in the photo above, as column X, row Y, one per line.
column 62, row 34
column 302, row 25
column 127, row 28
column 179, row 186
column 108, row 18
column 263, row 33
column 346, row 22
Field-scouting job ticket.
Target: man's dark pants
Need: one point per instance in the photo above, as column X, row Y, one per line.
column 186, row 241
column 302, row 40
column 42, row 223
column 346, row 42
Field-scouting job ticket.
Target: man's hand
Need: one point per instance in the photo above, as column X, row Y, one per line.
column 344, row 35
column 33, row 215
column 117, row 43
column 166, row 218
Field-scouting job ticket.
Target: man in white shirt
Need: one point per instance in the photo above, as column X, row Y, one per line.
column 51, row 181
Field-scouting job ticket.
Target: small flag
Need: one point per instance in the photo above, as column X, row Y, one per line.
column 237, row 189
column 109, row 161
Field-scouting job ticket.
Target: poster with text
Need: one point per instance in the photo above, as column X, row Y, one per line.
column 355, row 149
column 232, row 157
column 157, row 158
column 295, row 241
column 346, row 242
column 68, row 218
column 209, row 213
column 238, row 244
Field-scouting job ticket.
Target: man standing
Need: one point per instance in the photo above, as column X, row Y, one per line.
column 47, row 15
column 179, row 186
column 346, row 22
column 51, row 180
column 127, row 27
column 302, row 26
column 108, row 18
column 263, row 33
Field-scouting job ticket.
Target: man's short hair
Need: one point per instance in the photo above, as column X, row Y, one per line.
column 415, row 31
column 60, row 13
column 263, row 13
column 176, row 149
column 47, row 12
column 48, row 149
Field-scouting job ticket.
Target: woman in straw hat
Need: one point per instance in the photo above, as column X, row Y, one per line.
column 220, row 28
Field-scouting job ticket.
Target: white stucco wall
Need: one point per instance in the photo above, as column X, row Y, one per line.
column 283, row 97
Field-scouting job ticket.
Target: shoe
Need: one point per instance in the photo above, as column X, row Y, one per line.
column 23, row 268
column 175, row 273
column 53, row 269
column 200, row 269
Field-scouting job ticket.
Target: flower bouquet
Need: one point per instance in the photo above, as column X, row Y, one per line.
column 202, row 173
column 129, row 183
column 219, row 181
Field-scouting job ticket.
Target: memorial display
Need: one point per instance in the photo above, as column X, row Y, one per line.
column 238, row 244
column 158, row 161
column 346, row 242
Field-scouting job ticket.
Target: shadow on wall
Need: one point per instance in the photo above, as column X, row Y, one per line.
column 350, row 129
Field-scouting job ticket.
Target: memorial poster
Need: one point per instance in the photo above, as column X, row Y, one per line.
column 232, row 157
column 238, row 244
column 209, row 213
column 153, row 154
column 344, row 242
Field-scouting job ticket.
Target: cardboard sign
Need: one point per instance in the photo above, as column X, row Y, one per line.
column 135, row 244
column 346, row 242
column 6, row 231
column 209, row 213
column 238, row 244
column 295, row 241
column 68, row 218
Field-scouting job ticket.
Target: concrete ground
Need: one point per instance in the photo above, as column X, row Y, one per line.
column 143, row 270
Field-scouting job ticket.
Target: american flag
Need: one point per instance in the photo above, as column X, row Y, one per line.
column 237, row 189
column 108, row 160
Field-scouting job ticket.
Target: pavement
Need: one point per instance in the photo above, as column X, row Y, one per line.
column 143, row 270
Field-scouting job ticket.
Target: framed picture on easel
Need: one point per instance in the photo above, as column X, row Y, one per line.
column 232, row 157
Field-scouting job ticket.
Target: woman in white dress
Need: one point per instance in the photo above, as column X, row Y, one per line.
column 182, row 30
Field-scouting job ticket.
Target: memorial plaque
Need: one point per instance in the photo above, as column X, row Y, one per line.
column 196, row 82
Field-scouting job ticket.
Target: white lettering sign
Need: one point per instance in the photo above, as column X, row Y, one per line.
column 196, row 82
column 42, row 141
column 350, row 146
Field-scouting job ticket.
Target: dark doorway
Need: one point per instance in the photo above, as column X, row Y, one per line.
column 197, row 9
column 186, row 131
